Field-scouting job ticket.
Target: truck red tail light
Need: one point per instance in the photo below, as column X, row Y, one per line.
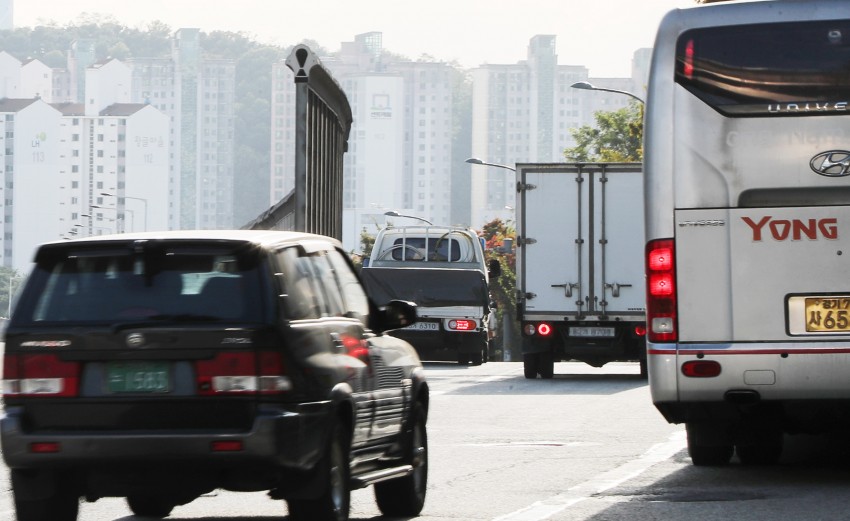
column 462, row 325
column 40, row 375
column 542, row 329
column 243, row 372
column 661, row 291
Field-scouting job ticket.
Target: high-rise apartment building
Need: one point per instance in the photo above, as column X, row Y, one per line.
column 198, row 94
column 29, row 158
column 78, row 168
column 524, row 112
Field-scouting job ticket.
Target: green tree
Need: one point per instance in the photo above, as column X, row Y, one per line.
column 617, row 137
column 503, row 288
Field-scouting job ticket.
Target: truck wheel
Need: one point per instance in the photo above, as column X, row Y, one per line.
column 476, row 358
column 405, row 497
column 31, row 504
column 335, row 500
column 529, row 365
column 546, row 365
column 708, row 445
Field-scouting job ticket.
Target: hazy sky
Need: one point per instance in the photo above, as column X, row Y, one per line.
column 600, row 34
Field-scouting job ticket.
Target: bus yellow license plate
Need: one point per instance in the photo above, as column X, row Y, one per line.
column 827, row 314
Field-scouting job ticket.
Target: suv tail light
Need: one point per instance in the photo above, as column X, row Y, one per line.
column 39, row 375
column 661, row 291
column 243, row 372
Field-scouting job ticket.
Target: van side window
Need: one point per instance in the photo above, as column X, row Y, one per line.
column 303, row 299
column 356, row 301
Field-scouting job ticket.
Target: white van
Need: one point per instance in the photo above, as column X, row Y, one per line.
column 747, row 166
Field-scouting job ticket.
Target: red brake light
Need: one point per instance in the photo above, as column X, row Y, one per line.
column 544, row 329
column 43, row 374
column 661, row 304
column 242, row 372
column 688, row 68
column 701, row 368
column 462, row 325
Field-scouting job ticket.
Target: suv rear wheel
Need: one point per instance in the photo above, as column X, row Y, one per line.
column 334, row 502
column 32, row 505
column 405, row 497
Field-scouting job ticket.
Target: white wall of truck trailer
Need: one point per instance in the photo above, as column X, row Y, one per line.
column 580, row 278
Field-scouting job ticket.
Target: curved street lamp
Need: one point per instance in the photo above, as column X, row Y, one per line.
column 392, row 213
column 584, row 85
column 476, row 161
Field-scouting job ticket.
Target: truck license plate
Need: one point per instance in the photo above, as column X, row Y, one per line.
column 424, row 326
column 594, row 332
column 827, row 314
column 138, row 377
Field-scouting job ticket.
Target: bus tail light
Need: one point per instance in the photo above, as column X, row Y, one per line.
column 701, row 369
column 661, row 291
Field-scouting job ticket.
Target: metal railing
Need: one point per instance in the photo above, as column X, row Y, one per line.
column 323, row 122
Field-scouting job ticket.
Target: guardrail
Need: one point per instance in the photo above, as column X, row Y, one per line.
column 323, row 123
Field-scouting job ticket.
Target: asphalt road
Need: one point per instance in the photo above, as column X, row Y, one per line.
column 586, row 445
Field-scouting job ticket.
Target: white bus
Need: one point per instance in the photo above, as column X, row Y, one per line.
column 747, row 189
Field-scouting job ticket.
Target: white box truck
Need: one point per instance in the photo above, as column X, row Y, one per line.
column 580, row 271
column 442, row 269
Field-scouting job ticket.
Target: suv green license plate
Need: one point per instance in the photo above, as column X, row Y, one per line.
column 138, row 377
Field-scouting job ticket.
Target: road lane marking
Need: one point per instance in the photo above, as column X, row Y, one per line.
column 547, row 508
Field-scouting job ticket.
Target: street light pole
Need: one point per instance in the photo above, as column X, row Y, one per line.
column 584, row 85
column 476, row 161
column 144, row 202
column 392, row 213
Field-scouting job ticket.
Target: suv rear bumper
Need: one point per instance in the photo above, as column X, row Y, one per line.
column 276, row 439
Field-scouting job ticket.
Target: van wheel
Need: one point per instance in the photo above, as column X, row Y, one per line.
column 335, row 500
column 31, row 504
column 708, row 444
column 149, row 506
column 405, row 497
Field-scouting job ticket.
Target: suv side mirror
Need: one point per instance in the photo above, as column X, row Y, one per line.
column 395, row 315
column 494, row 268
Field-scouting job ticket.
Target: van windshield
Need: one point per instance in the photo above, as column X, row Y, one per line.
column 784, row 69
column 111, row 287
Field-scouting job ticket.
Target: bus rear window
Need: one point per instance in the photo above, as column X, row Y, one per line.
column 782, row 69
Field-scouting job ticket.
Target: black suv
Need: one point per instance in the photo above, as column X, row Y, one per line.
column 161, row 366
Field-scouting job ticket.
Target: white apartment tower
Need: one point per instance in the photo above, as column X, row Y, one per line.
column 31, row 179
column 114, row 158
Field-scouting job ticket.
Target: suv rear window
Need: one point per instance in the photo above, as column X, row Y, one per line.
column 115, row 286
column 782, row 69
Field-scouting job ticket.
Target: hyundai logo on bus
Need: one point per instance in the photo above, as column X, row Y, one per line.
column 833, row 163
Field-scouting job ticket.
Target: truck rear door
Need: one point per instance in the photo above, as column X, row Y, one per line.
column 581, row 237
